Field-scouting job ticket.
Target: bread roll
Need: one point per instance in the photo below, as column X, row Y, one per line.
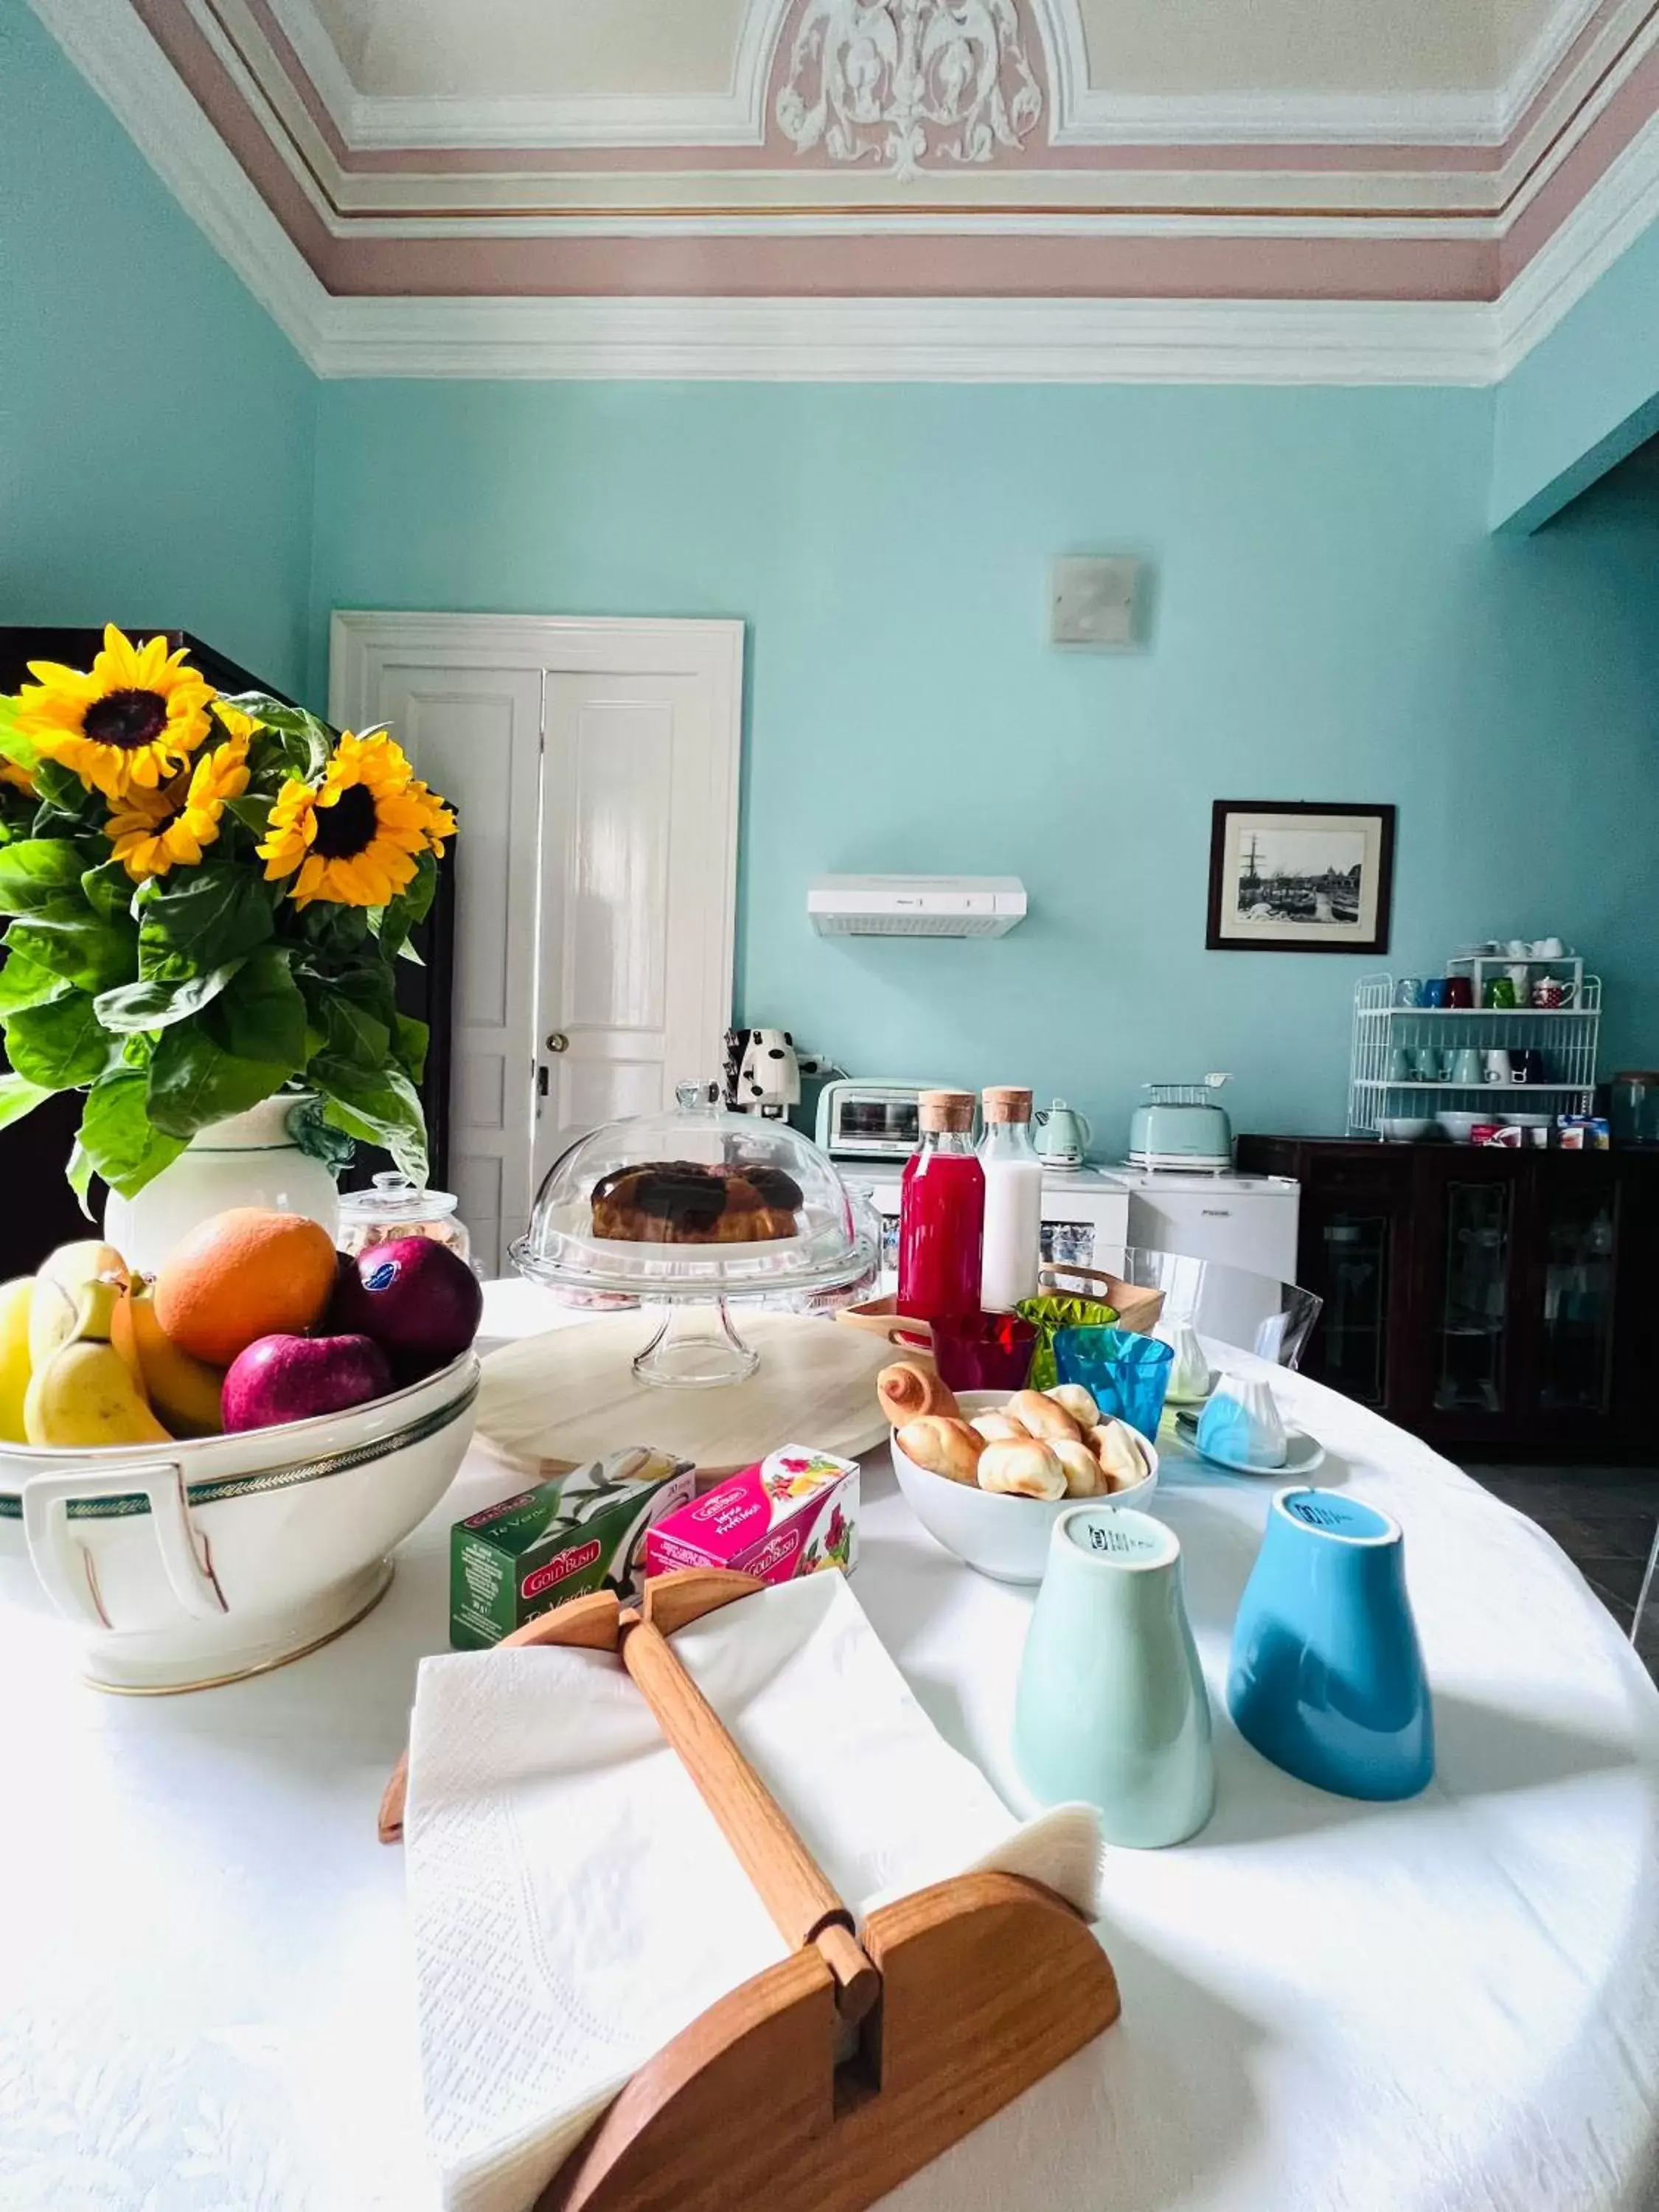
column 1117, row 1455
column 1084, row 1478
column 943, row 1447
column 908, row 1391
column 1078, row 1403
column 997, row 1428
column 1027, row 1470
column 1041, row 1417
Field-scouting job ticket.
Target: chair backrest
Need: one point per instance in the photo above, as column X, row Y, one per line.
column 1227, row 1305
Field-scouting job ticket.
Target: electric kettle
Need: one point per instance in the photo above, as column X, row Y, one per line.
column 1062, row 1136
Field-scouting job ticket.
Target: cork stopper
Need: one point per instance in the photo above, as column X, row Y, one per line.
column 1002, row 1102
column 945, row 1110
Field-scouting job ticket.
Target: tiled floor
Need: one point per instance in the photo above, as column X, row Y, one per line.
column 1603, row 1518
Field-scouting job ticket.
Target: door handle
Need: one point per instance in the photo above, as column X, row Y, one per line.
column 557, row 1040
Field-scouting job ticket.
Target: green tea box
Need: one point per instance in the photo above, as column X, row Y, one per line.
column 580, row 1532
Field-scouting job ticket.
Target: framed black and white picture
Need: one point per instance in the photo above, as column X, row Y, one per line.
column 1299, row 877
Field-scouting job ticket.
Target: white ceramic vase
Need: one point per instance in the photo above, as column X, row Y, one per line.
column 249, row 1160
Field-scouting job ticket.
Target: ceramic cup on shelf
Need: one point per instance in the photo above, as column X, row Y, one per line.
column 1500, row 994
column 1408, row 991
column 1429, row 1062
column 1402, row 1068
column 1111, row 1706
column 1551, row 992
column 1516, row 948
column 1495, row 1065
column 1466, row 1066
column 1460, row 992
column 1327, row 1677
column 1527, row 1065
column 1242, row 1425
column 1434, row 991
column 1548, row 948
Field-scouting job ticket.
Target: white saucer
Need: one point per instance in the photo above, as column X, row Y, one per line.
column 1303, row 1453
column 1182, row 1405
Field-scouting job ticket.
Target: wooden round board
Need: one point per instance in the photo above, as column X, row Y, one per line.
column 557, row 1401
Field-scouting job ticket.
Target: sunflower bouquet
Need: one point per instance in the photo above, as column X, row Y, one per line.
column 208, row 897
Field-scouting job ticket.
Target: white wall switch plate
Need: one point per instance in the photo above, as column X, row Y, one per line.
column 1096, row 601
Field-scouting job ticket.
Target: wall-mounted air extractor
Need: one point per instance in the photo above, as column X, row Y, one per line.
column 915, row 906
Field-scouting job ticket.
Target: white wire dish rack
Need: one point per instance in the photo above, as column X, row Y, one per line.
column 1565, row 1037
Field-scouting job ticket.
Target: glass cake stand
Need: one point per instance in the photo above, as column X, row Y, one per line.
column 661, row 1228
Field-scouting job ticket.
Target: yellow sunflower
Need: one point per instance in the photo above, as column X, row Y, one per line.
column 356, row 837
column 129, row 726
column 154, row 832
column 18, row 778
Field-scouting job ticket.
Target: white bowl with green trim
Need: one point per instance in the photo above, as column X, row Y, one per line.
column 193, row 1563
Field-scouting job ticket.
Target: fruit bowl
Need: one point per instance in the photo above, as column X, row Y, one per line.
column 1006, row 1538
column 190, row 1563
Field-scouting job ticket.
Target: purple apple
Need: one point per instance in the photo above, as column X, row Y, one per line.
column 415, row 1298
column 289, row 1378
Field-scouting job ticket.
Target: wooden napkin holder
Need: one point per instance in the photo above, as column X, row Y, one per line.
column 823, row 2082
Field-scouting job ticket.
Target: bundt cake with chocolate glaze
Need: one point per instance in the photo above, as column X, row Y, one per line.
column 687, row 1202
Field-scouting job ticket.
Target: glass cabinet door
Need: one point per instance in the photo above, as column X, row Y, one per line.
column 1355, row 1281
column 1478, row 1227
column 1575, row 1361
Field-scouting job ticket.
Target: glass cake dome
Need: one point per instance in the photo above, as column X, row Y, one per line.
column 695, row 1206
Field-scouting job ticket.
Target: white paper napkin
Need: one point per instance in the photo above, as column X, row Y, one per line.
column 574, row 1905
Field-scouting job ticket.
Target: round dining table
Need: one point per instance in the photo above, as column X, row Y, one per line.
column 1446, row 2005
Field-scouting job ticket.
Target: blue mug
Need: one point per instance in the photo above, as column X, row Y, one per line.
column 1408, row 991
column 1434, row 991
column 1327, row 1676
column 1126, row 1375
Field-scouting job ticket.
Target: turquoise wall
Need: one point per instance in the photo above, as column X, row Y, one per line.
column 156, row 429
column 1334, row 621
column 1583, row 398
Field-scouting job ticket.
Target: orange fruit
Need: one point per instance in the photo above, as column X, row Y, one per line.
column 245, row 1273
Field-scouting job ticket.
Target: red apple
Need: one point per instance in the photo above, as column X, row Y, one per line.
column 415, row 1298
column 290, row 1378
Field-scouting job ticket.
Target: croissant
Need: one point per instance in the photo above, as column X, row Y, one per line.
column 907, row 1392
column 1027, row 1470
column 1084, row 1477
column 943, row 1446
column 1041, row 1417
column 1117, row 1455
column 1078, row 1402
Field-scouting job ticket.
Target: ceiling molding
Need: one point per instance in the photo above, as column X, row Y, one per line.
column 853, row 339
column 127, row 70
column 916, row 340
column 1615, row 211
column 1554, row 39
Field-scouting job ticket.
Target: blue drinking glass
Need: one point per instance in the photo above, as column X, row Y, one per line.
column 1127, row 1375
column 1327, row 1676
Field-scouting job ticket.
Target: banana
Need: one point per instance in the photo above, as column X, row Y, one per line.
column 84, row 1395
column 184, row 1391
column 58, row 1289
column 16, row 1299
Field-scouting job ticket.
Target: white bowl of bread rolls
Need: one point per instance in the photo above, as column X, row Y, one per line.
column 988, row 1472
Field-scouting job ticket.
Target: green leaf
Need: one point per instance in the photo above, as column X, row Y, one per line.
column 65, row 801
column 193, row 1080
column 263, row 1015
column 410, row 1041
column 411, row 905
column 200, row 919
column 41, row 875
column 13, row 746
column 79, row 1174
column 252, row 811
column 316, row 739
column 118, row 1140
column 25, row 984
column 150, row 1004
column 92, row 955
column 355, row 1009
column 382, row 1109
column 108, row 890
column 18, row 1097
column 336, row 932
column 59, row 1044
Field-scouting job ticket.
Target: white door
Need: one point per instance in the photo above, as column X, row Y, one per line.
column 595, row 769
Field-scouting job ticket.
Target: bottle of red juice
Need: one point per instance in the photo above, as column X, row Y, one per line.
column 941, row 1211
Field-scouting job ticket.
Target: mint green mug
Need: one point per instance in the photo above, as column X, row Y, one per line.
column 1111, row 1706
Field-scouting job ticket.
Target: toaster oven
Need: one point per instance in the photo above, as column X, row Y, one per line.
column 878, row 1120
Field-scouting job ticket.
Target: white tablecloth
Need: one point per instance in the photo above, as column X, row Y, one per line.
column 1448, row 2006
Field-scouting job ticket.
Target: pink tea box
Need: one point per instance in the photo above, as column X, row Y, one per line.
column 795, row 1513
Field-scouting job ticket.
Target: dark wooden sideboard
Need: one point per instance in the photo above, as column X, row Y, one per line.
column 1497, row 1303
